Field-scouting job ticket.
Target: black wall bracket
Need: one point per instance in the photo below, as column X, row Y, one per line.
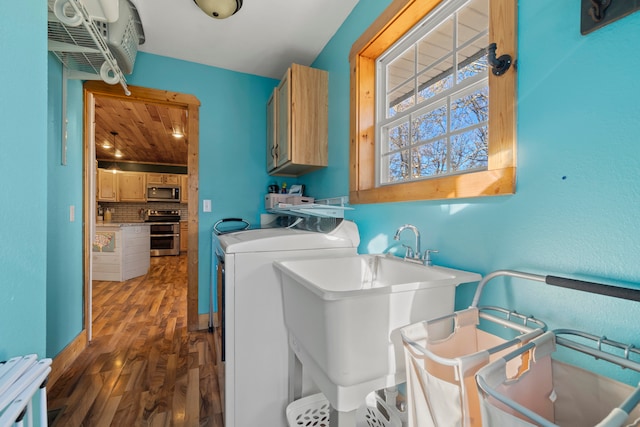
column 595, row 14
column 500, row 65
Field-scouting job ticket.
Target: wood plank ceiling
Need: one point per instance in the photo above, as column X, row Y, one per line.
column 145, row 132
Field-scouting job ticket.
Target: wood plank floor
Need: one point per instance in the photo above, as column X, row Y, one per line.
column 142, row 367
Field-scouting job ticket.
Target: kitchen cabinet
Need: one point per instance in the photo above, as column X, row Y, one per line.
column 297, row 114
column 107, row 186
column 163, row 178
column 184, row 236
column 184, row 188
column 131, row 187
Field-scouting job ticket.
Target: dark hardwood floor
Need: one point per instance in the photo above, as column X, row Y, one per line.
column 142, row 367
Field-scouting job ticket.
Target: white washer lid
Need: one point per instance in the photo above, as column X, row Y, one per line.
column 345, row 235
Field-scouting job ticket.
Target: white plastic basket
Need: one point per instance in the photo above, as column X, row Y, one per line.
column 314, row 410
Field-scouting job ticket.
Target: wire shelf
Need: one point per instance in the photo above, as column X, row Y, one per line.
column 81, row 45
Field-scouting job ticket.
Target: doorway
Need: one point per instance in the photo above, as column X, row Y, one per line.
column 190, row 103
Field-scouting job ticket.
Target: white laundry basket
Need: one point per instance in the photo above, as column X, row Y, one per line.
column 314, row 410
column 442, row 357
column 551, row 393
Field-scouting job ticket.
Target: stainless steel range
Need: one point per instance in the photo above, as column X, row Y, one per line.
column 164, row 228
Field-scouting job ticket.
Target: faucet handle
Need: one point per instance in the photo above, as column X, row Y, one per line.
column 427, row 256
column 409, row 251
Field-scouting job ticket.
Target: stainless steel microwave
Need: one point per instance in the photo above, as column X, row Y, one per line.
column 164, row 193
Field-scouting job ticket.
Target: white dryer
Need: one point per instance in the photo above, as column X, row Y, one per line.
column 254, row 361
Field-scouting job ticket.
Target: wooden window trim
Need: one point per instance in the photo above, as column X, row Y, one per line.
column 500, row 176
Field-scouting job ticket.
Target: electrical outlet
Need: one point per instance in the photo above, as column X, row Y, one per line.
column 206, row 205
column 72, row 213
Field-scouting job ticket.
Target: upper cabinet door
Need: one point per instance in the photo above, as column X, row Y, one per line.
column 132, row 186
column 283, row 129
column 162, row 178
column 107, row 186
column 155, row 178
column 184, row 188
column 272, row 146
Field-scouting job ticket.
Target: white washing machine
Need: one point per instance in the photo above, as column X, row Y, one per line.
column 254, row 361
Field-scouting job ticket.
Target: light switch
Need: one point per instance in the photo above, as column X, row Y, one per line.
column 206, row 205
column 72, row 213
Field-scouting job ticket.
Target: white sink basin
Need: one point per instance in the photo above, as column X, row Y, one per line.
column 344, row 316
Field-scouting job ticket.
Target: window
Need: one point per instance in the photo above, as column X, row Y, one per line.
column 433, row 117
column 422, row 124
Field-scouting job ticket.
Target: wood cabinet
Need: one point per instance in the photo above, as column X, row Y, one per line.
column 272, row 146
column 132, row 187
column 163, row 178
column 184, row 188
column 297, row 122
column 184, row 236
column 107, row 186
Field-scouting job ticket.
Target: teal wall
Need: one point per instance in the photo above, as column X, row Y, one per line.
column 23, row 170
column 575, row 212
column 64, row 189
column 232, row 171
column 232, row 142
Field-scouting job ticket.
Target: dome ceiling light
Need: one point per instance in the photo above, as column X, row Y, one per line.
column 219, row 9
column 114, row 167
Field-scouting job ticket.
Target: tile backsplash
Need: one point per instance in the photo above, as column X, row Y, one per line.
column 129, row 212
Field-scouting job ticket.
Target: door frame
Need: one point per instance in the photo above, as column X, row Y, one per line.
column 154, row 96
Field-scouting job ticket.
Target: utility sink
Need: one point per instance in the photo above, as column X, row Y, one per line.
column 344, row 317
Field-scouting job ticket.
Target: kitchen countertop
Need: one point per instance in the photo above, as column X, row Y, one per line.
column 122, row 224
column 114, row 224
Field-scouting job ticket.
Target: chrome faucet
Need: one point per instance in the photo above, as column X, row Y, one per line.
column 410, row 254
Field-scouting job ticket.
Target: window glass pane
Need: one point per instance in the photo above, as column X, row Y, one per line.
column 473, row 39
column 471, row 109
column 473, row 66
column 469, row 150
column 429, row 125
column 396, row 166
column 400, row 82
column 397, row 137
column 429, row 159
column 401, row 99
column 473, row 20
column 402, row 68
column 435, row 80
column 435, row 45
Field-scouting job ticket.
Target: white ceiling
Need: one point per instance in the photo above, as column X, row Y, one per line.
column 263, row 38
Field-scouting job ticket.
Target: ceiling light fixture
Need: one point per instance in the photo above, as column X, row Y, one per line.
column 114, row 167
column 176, row 133
column 219, row 9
